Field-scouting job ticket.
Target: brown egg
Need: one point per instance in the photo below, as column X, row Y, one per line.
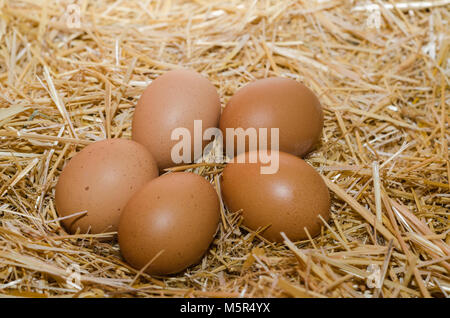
column 174, row 100
column 176, row 215
column 276, row 103
column 288, row 200
column 100, row 179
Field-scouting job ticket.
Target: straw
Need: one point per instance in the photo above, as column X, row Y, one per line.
column 379, row 68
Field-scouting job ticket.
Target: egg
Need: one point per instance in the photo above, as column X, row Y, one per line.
column 169, row 224
column 273, row 103
column 288, row 200
column 175, row 100
column 100, row 180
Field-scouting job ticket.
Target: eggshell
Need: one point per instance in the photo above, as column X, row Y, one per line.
column 174, row 100
column 176, row 214
column 288, row 200
column 277, row 103
column 100, row 179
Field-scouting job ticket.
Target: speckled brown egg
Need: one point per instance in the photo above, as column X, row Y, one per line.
column 100, row 180
column 289, row 200
column 170, row 222
column 174, row 100
column 276, row 103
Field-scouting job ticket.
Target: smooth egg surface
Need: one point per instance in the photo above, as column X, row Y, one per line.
column 170, row 223
column 174, row 100
column 100, row 180
column 276, row 103
column 287, row 201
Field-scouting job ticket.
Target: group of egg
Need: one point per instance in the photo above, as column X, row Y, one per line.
column 166, row 223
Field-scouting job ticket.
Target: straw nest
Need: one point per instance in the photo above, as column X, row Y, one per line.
column 380, row 71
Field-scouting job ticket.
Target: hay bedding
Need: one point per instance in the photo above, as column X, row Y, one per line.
column 384, row 151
